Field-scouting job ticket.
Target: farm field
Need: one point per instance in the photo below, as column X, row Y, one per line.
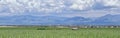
column 61, row 33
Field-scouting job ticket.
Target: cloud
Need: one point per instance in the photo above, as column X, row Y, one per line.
column 57, row 6
column 53, row 5
column 112, row 3
column 38, row 5
column 82, row 4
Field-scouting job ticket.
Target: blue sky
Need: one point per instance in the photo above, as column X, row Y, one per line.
column 61, row 8
column 85, row 8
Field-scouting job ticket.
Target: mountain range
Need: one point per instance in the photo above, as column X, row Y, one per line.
column 37, row 20
column 28, row 12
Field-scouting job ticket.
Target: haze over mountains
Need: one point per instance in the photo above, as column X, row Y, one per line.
column 36, row 20
column 101, row 12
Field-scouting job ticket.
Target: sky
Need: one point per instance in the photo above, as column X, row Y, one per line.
column 59, row 8
column 66, row 8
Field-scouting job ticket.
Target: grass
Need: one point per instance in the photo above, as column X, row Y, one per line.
column 59, row 33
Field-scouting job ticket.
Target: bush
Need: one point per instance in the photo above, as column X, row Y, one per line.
column 52, row 28
column 41, row 29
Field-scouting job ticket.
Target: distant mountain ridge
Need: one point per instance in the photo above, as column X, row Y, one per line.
column 108, row 20
column 37, row 20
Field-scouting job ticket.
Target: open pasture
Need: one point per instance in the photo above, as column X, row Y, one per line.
column 10, row 32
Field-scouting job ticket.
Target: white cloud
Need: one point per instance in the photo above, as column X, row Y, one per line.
column 53, row 5
column 82, row 4
column 48, row 6
column 38, row 5
column 111, row 2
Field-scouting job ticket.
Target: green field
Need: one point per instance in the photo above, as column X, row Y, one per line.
column 59, row 33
